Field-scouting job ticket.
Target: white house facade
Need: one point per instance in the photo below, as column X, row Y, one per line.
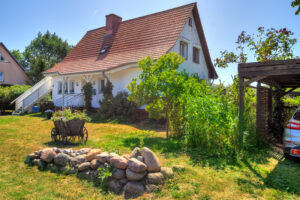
column 113, row 51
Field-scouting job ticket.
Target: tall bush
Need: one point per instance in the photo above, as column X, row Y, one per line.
column 88, row 95
column 117, row 107
column 9, row 93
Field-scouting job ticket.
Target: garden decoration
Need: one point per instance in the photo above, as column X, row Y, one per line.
column 131, row 175
column 69, row 126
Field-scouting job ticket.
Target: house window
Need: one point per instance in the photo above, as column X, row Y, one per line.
column 101, row 86
column 184, row 50
column 1, row 77
column 196, row 55
column 1, row 58
column 59, row 87
column 94, row 91
column 66, row 87
column 72, row 87
column 190, row 22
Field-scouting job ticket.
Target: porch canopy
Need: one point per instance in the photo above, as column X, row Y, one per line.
column 273, row 78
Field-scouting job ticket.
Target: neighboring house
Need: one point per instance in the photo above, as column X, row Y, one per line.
column 112, row 52
column 11, row 72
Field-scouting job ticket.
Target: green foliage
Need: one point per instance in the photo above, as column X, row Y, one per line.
column 45, row 105
column 117, row 107
column 88, row 95
column 103, row 173
column 296, row 3
column 9, row 93
column 160, row 86
column 41, row 54
column 67, row 115
column 268, row 44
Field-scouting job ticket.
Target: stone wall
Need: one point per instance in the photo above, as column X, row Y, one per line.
column 129, row 174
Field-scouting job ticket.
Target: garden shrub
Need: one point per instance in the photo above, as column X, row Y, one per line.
column 67, row 115
column 9, row 93
column 88, row 95
column 45, row 105
column 117, row 107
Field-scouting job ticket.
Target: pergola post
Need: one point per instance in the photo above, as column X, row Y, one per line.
column 258, row 109
column 270, row 109
column 241, row 111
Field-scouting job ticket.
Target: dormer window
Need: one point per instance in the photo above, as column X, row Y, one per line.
column 104, row 49
column 190, row 22
column 184, row 49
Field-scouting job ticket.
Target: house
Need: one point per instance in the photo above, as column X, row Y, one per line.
column 112, row 52
column 11, row 72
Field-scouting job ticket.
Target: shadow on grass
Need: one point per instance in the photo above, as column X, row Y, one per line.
column 61, row 145
column 283, row 177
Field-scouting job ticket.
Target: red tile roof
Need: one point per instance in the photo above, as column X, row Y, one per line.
column 150, row 35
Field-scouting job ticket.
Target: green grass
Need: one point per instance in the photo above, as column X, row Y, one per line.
column 265, row 175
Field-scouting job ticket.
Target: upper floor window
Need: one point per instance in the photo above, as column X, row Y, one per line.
column 59, row 91
column 1, row 76
column 2, row 58
column 196, row 55
column 190, row 21
column 184, row 49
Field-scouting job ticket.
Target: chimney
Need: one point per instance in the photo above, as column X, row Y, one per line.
column 112, row 23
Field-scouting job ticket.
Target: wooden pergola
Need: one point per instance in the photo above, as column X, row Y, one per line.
column 273, row 78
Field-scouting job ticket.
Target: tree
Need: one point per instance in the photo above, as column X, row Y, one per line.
column 159, row 86
column 270, row 44
column 88, row 95
column 41, row 54
column 296, row 3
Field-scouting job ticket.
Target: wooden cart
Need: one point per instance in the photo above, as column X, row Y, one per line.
column 71, row 130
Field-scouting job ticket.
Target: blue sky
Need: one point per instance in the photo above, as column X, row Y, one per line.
column 222, row 20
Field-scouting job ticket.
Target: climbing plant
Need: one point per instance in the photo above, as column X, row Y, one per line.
column 88, row 95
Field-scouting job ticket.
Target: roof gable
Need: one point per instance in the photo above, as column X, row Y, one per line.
column 150, row 35
column 12, row 57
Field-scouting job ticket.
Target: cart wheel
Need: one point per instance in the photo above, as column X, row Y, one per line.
column 55, row 137
column 85, row 135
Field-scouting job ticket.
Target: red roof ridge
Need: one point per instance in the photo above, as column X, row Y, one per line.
column 167, row 10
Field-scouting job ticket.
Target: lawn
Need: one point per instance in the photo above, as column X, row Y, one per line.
column 265, row 175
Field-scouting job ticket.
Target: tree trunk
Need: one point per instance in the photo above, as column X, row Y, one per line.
column 167, row 127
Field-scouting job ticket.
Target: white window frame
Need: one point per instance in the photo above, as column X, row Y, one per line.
column 59, row 87
column 196, row 48
column 2, row 77
column 72, row 87
column 183, row 49
column 101, row 85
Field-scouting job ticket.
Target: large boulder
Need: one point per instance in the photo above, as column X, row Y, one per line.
column 167, row 172
column 84, row 151
column 91, row 155
column 118, row 173
column 61, row 159
column 119, row 162
column 133, row 189
column 48, row 155
column 155, row 178
column 136, row 165
column 95, row 164
column 152, row 162
column 84, row 166
column 102, row 157
column 114, row 185
column 136, row 152
column 133, row 176
column 110, row 156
